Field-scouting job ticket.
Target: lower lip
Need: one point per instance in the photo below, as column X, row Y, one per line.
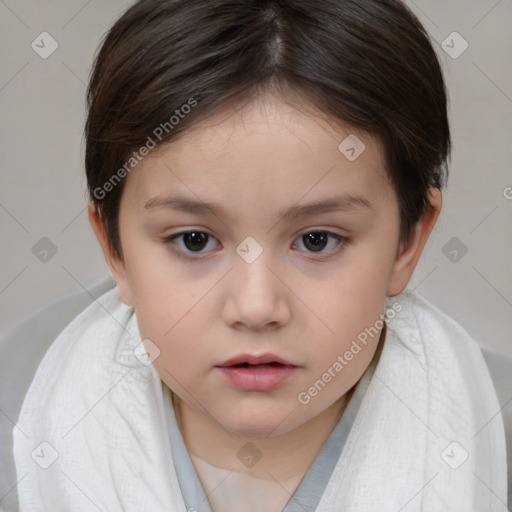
column 263, row 378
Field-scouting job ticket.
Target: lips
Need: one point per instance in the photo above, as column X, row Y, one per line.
column 252, row 372
column 262, row 365
column 254, row 360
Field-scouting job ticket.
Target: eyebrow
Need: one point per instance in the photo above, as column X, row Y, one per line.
column 342, row 203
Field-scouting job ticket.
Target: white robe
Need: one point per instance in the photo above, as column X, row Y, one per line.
column 428, row 436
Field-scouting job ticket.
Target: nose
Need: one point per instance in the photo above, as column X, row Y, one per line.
column 256, row 297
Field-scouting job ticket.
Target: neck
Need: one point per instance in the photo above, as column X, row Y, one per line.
column 286, row 456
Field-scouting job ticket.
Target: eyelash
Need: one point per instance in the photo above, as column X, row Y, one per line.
column 342, row 241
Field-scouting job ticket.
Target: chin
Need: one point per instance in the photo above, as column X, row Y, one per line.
column 256, row 423
column 254, row 430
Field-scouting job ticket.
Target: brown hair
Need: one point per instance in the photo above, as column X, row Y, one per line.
column 368, row 63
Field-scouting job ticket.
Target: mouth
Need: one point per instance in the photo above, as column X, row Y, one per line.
column 256, row 373
column 255, row 360
column 256, row 366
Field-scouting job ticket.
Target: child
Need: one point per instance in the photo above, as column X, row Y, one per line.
column 279, row 365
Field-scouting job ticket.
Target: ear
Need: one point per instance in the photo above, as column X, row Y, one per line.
column 115, row 264
column 408, row 256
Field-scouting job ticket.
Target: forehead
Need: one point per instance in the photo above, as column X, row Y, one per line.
column 267, row 152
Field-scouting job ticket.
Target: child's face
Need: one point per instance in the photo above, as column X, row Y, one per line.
column 302, row 299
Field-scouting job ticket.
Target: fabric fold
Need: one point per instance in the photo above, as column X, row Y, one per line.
column 428, row 436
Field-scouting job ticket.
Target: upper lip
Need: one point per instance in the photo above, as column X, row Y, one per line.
column 255, row 359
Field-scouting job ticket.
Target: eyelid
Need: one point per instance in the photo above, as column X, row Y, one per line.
column 169, row 242
column 341, row 239
column 342, row 242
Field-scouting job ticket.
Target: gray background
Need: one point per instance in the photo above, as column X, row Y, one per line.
column 43, row 189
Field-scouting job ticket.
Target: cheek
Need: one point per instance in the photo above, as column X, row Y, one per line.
column 350, row 310
column 171, row 303
column 158, row 288
column 355, row 296
column 169, row 317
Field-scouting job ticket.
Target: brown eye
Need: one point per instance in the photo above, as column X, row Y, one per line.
column 315, row 241
column 195, row 243
column 195, row 240
column 192, row 242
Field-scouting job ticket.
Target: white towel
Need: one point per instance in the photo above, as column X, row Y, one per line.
column 429, row 435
